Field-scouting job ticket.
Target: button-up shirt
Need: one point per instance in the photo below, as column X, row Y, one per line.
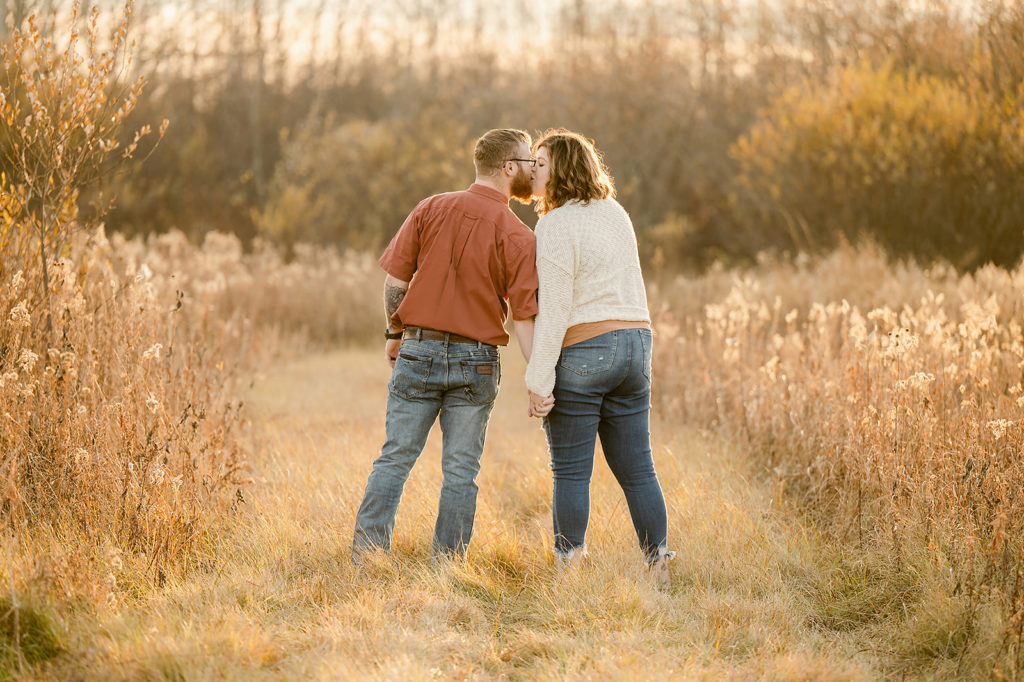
column 468, row 260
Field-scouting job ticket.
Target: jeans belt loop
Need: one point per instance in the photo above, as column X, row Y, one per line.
column 419, row 333
column 446, row 341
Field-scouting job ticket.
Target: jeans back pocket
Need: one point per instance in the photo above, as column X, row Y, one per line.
column 482, row 377
column 409, row 377
column 590, row 356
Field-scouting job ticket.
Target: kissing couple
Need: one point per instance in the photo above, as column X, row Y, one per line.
column 458, row 266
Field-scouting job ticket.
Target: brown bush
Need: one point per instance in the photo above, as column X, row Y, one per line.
column 116, row 404
column 925, row 166
column 895, row 416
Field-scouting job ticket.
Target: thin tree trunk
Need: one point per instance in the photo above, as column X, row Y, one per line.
column 46, row 280
column 256, row 104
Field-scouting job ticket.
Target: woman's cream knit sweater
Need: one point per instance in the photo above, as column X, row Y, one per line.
column 589, row 271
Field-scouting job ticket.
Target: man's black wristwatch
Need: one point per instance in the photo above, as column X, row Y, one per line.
column 391, row 336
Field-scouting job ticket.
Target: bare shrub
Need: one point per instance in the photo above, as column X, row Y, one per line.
column 116, row 408
column 332, row 187
column 897, row 422
column 319, row 297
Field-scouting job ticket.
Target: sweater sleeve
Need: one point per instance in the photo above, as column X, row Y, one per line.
column 555, row 272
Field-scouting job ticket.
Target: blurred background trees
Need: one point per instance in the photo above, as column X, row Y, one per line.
column 731, row 126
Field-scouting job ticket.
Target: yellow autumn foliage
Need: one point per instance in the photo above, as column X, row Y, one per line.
column 922, row 164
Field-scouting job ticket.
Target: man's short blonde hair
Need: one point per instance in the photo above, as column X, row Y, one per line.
column 497, row 146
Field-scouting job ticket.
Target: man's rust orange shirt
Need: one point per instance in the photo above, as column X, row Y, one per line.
column 464, row 255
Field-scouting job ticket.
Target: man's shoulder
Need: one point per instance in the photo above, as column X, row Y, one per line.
column 466, row 202
column 514, row 230
column 476, row 205
column 443, row 200
column 506, row 224
column 509, row 224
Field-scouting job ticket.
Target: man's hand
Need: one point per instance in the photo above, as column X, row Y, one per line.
column 391, row 348
column 540, row 406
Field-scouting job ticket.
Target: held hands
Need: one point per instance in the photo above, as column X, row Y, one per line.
column 539, row 406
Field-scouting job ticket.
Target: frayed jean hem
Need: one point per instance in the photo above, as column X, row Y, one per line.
column 569, row 554
column 663, row 551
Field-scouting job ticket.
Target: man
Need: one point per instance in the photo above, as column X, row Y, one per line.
column 458, row 264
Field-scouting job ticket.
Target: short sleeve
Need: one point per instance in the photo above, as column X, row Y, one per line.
column 522, row 279
column 399, row 259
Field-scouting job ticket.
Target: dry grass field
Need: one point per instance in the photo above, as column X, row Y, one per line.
column 840, row 478
column 186, row 429
column 279, row 598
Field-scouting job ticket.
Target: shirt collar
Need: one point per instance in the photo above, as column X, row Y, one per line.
column 488, row 192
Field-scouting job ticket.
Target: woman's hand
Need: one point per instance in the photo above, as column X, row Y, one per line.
column 539, row 406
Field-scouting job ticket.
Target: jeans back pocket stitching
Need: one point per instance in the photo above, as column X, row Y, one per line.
column 469, row 385
column 416, row 383
column 602, row 368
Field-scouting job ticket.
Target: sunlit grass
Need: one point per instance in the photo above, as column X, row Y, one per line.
column 786, row 564
column 280, row 597
column 887, row 400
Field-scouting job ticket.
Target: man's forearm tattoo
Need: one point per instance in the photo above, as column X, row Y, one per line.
column 392, row 299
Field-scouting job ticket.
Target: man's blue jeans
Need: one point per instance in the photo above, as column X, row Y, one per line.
column 603, row 389
column 459, row 382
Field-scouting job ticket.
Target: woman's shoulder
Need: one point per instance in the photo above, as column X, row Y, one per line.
column 595, row 206
column 601, row 212
column 581, row 215
column 611, row 205
column 555, row 219
column 575, row 208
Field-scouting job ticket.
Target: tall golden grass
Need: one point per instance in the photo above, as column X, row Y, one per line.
column 134, row 400
column 282, row 600
column 888, row 399
column 123, row 439
column 884, row 400
column 880, row 401
column 120, row 361
column 120, row 426
column 317, row 297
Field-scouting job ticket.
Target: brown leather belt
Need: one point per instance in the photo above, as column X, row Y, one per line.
column 435, row 335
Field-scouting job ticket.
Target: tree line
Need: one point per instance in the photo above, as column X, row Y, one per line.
column 730, row 126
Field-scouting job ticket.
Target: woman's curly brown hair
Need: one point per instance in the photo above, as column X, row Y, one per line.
column 577, row 172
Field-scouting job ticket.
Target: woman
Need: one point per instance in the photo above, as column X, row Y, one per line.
column 592, row 347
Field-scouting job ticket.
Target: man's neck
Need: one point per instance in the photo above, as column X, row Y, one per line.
column 494, row 184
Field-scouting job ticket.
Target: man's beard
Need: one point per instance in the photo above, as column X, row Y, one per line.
column 522, row 187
